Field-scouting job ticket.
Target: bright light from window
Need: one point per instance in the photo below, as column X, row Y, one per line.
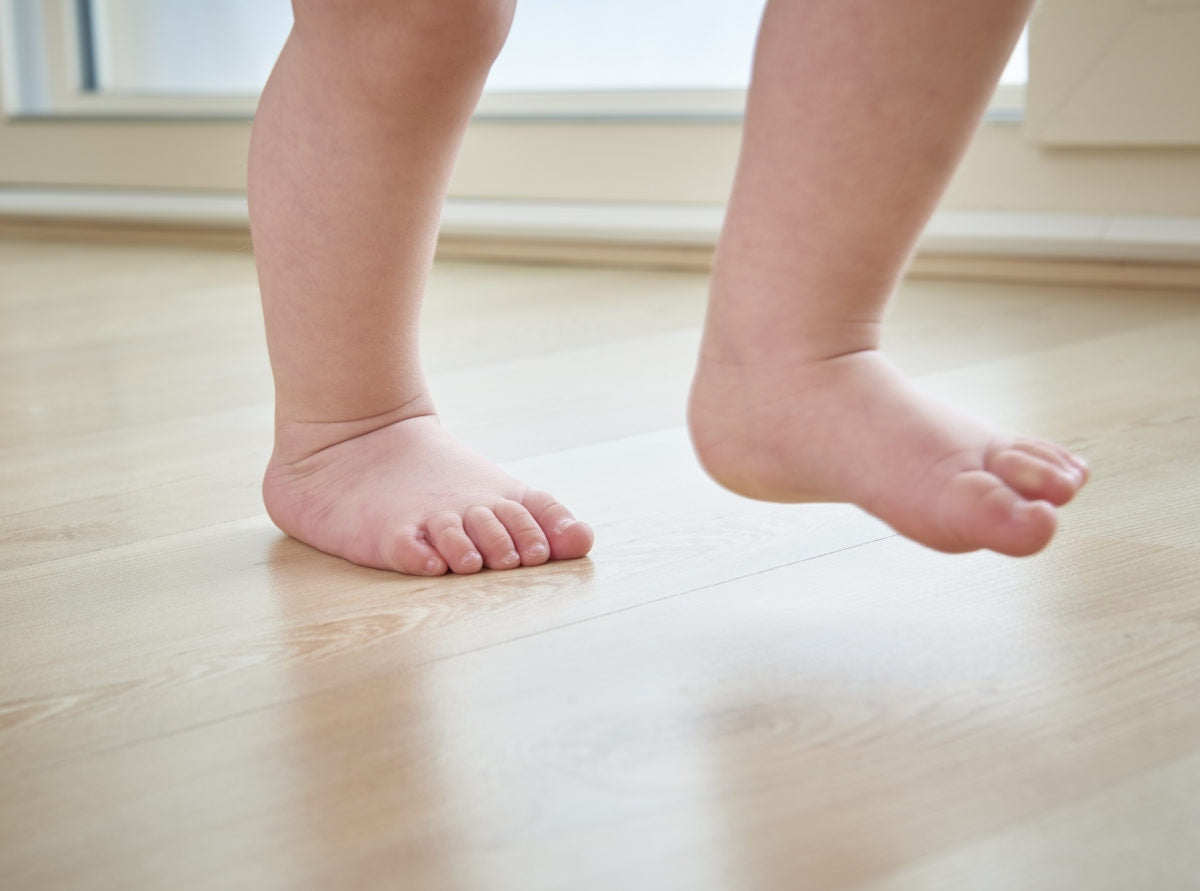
column 628, row 44
column 225, row 48
column 1017, row 71
column 185, row 47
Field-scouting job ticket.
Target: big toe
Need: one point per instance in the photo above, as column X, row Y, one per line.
column 981, row 511
column 568, row 538
column 408, row 551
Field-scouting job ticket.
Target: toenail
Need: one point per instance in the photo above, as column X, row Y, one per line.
column 537, row 549
column 564, row 525
column 432, row 566
column 511, row 559
column 472, row 557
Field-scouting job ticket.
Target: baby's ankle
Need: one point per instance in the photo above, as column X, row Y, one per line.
column 299, row 436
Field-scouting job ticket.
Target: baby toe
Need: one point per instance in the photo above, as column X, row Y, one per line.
column 1076, row 464
column 1051, row 453
column 1075, row 468
column 447, row 534
column 408, row 551
column 1035, row 476
column 568, row 538
column 524, row 531
column 491, row 538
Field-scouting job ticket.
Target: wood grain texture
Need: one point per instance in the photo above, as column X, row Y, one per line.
column 726, row 695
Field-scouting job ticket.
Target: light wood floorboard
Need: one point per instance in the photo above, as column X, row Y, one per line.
column 726, row 695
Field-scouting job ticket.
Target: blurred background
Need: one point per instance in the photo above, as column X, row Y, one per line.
column 612, row 122
column 178, row 50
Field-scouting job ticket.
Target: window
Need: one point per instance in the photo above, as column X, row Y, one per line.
column 183, row 58
column 173, row 58
column 182, row 47
column 592, row 101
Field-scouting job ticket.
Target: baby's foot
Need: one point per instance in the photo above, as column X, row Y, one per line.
column 410, row 497
column 852, row 428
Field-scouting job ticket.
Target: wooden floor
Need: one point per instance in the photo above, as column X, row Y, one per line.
column 727, row 695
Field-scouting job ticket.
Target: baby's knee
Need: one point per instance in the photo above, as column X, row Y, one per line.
column 453, row 31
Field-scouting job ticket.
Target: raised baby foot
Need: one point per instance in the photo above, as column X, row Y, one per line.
column 409, row 497
column 852, row 428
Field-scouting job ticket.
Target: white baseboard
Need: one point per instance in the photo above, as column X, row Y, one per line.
column 1064, row 236
column 986, row 233
column 125, row 206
